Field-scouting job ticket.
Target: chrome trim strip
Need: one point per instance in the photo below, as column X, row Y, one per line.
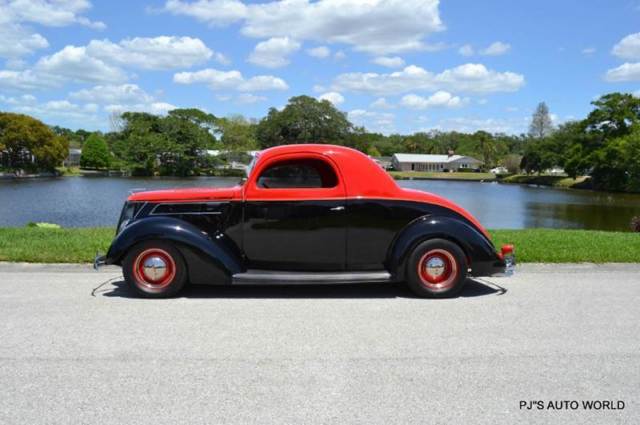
column 153, row 211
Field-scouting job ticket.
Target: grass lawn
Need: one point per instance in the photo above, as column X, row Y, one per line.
column 571, row 246
column 37, row 245
column 407, row 175
column 544, row 180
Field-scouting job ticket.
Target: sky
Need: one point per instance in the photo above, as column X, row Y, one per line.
column 394, row 66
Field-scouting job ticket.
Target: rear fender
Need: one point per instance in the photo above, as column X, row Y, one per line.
column 477, row 248
column 210, row 258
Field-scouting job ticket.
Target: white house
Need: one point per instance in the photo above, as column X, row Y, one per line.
column 420, row 162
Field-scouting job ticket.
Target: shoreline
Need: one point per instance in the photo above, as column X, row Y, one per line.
column 556, row 182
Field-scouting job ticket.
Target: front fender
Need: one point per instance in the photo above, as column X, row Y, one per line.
column 478, row 249
column 201, row 251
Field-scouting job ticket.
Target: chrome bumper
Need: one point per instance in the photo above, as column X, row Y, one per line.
column 100, row 260
column 509, row 266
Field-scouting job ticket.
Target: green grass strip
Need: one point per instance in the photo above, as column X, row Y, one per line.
column 79, row 245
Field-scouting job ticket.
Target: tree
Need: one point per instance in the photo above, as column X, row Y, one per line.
column 488, row 147
column 541, row 124
column 30, row 144
column 304, row 120
column 95, row 153
column 238, row 134
column 170, row 145
column 615, row 115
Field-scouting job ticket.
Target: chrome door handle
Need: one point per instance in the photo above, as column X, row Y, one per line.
column 338, row 208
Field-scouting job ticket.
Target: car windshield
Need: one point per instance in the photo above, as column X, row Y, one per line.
column 252, row 164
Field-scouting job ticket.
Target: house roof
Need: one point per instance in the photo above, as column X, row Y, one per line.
column 411, row 157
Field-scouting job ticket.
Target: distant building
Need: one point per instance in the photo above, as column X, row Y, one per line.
column 420, row 162
column 499, row 170
column 383, row 161
column 73, row 160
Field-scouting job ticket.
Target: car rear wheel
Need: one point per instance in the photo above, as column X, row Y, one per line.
column 437, row 268
column 155, row 269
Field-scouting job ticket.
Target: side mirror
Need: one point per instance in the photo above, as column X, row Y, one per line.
column 243, row 180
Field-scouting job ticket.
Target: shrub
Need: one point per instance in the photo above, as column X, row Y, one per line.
column 95, row 153
column 635, row 223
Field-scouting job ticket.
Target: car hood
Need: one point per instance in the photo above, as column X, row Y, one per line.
column 186, row 195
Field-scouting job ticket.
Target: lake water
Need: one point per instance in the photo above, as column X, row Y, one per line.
column 85, row 201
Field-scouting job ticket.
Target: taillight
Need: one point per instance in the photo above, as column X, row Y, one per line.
column 506, row 250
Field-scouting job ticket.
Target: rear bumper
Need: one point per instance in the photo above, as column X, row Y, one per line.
column 503, row 266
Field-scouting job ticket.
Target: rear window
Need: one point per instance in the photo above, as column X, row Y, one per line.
column 303, row 174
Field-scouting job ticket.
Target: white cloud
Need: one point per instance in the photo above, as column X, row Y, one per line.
column 319, row 52
column 84, row 116
column 381, row 103
column 628, row 47
column 333, row 97
column 263, row 83
column 16, row 41
column 468, row 78
column 438, row 99
column 248, row 98
column 212, row 77
column 17, row 38
column 588, row 51
column 158, row 108
column 73, row 63
column 491, row 125
column 111, row 94
column 389, row 61
column 274, row 52
column 374, row 26
column 466, row 50
column 23, row 80
column 25, row 99
column 496, row 49
column 52, row 13
column 230, row 80
column 102, row 61
column 164, row 52
column 383, row 122
column 340, row 55
column 214, row 12
column 625, row 72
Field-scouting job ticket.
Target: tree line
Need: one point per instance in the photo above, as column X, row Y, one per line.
column 605, row 145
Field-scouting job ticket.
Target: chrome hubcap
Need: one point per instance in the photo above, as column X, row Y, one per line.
column 154, row 268
column 435, row 267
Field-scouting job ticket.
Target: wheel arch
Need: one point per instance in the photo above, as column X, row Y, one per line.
column 209, row 259
column 476, row 247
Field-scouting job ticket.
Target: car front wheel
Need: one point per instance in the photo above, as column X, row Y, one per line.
column 155, row 269
column 437, row 268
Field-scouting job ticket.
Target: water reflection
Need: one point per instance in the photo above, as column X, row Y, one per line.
column 75, row 201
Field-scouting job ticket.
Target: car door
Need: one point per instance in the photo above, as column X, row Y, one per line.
column 294, row 215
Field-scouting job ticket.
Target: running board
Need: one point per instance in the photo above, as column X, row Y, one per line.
column 268, row 277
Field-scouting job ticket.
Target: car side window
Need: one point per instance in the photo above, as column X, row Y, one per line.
column 298, row 174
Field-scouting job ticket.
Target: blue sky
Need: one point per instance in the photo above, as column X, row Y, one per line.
column 393, row 66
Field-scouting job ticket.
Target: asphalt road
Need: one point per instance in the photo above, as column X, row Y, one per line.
column 74, row 354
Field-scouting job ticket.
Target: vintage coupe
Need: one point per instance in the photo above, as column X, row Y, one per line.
column 305, row 214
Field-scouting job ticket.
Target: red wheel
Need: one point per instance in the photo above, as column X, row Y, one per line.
column 155, row 269
column 436, row 268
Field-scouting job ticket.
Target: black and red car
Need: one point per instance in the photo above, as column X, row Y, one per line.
column 305, row 214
